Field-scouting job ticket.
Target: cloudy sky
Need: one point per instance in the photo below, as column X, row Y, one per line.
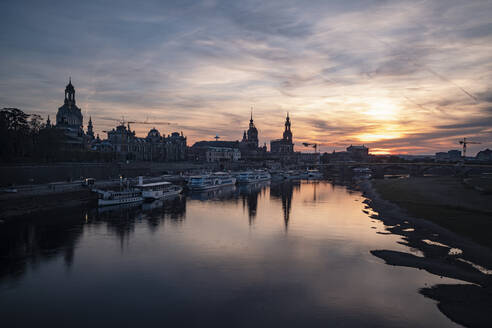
column 399, row 76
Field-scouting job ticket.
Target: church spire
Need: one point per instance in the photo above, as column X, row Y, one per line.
column 70, row 93
column 90, row 130
column 287, row 132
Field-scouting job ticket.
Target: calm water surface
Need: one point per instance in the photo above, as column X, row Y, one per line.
column 291, row 255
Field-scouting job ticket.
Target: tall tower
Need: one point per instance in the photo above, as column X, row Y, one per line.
column 90, row 131
column 287, row 132
column 70, row 94
column 252, row 133
column 69, row 115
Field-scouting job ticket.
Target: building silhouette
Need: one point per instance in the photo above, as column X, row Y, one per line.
column 125, row 145
column 484, row 155
column 250, row 138
column 284, row 145
column 69, row 118
column 69, row 115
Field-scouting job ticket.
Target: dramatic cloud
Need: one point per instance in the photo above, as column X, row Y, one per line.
column 399, row 76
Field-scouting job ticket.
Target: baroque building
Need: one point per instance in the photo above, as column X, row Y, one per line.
column 69, row 118
column 122, row 142
column 250, row 138
column 249, row 145
column 285, row 144
column 125, row 145
column 69, row 115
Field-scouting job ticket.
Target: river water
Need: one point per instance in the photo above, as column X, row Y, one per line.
column 280, row 255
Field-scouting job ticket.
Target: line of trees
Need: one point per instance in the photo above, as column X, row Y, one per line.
column 26, row 138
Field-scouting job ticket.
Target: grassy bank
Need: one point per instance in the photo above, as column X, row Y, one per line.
column 446, row 201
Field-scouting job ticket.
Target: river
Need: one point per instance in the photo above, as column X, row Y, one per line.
column 280, row 255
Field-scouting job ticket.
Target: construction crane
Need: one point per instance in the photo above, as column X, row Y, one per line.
column 122, row 121
column 315, row 146
column 465, row 142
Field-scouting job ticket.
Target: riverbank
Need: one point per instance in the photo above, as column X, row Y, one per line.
column 12, row 205
column 446, row 201
column 427, row 213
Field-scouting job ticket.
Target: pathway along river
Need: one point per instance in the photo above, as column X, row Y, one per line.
column 285, row 255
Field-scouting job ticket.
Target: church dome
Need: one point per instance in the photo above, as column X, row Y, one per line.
column 154, row 133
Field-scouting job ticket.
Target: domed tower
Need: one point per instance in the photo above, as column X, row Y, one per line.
column 252, row 133
column 154, row 135
column 69, row 115
column 287, row 132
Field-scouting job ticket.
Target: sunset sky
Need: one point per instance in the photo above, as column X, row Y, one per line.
column 399, row 76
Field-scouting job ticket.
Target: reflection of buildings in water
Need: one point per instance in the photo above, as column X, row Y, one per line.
column 221, row 193
column 172, row 210
column 118, row 219
column 284, row 191
column 249, row 194
column 47, row 236
column 315, row 187
column 121, row 219
column 35, row 240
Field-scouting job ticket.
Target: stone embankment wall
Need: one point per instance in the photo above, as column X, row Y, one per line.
column 33, row 173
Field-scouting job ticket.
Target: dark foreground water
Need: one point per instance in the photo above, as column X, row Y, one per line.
column 288, row 255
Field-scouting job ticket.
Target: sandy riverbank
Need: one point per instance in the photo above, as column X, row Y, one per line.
column 446, row 253
column 447, row 201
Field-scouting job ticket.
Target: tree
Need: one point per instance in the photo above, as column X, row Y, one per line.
column 14, row 133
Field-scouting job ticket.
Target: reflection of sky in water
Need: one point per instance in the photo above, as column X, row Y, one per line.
column 292, row 255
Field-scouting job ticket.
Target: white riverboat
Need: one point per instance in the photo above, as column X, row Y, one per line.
column 111, row 197
column 312, row 174
column 158, row 190
column 253, row 176
column 210, row 181
column 292, row 175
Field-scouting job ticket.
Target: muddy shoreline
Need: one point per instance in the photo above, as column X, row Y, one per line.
column 446, row 254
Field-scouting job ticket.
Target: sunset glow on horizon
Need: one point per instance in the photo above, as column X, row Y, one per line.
column 403, row 77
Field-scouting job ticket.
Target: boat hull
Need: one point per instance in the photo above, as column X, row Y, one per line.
column 241, row 181
column 158, row 194
column 208, row 187
column 107, row 202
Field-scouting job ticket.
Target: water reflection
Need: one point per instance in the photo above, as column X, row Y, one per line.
column 222, row 194
column 284, row 192
column 27, row 244
column 219, row 258
column 249, row 194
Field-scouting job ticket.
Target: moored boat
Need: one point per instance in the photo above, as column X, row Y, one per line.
column 312, row 174
column 112, row 197
column 157, row 190
column 292, row 175
column 253, row 176
column 210, row 181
